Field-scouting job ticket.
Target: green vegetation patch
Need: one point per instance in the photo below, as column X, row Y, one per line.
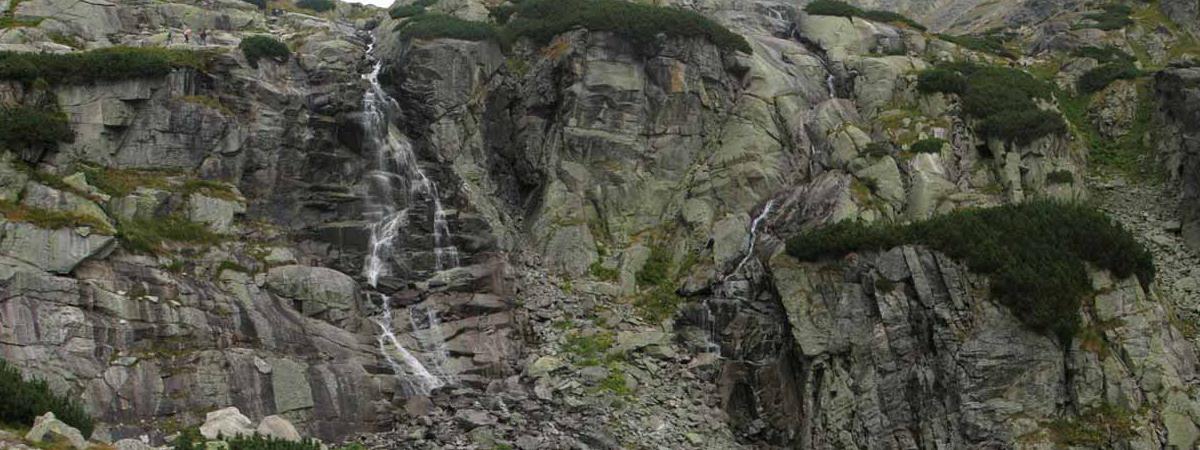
column 542, row 20
column 122, row 182
column 416, row 8
column 261, row 46
column 1105, row 55
column 1034, row 253
column 21, row 401
column 930, row 145
column 151, row 235
column 51, row 218
column 24, row 127
column 1129, row 154
column 843, row 9
column 1112, row 16
column 996, row 43
column 316, row 5
column 1001, row 99
column 113, row 63
column 430, row 26
column 1097, row 79
column 1097, row 427
column 1061, row 176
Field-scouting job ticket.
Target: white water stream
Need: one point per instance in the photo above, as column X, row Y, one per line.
column 397, row 183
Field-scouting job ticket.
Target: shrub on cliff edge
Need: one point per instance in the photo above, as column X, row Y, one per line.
column 21, row 401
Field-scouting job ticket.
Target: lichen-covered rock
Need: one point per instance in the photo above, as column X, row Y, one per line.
column 46, row 427
column 316, row 291
column 226, row 422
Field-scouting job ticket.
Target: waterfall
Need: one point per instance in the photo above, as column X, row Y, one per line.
column 829, row 80
column 754, row 224
column 395, row 185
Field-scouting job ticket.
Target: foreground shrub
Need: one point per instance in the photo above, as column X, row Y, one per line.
column 258, row 47
column 21, row 401
column 843, row 9
column 24, row 128
column 1002, row 99
column 429, row 26
column 192, row 440
column 1097, row 79
column 542, row 20
column 1034, row 253
column 316, row 5
column 261, row 4
column 113, row 63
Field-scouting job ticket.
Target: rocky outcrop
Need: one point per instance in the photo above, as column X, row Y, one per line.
column 905, row 348
column 1177, row 138
column 47, row 428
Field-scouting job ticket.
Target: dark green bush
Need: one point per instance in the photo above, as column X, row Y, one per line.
column 1034, row 253
column 878, row 149
column 939, row 79
column 930, row 145
column 1002, row 99
column 23, row 127
column 429, row 26
column 258, row 47
column 542, row 20
column 1099, row 78
column 21, row 401
column 843, row 9
column 261, row 4
column 316, row 5
column 1113, row 16
column 1106, row 54
column 994, row 43
column 404, row 11
column 113, row 63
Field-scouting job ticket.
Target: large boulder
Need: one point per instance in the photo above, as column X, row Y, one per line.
column 217, row 213
column 278, row 428
column 315, row 291
column 46, row 427
column 227, row 422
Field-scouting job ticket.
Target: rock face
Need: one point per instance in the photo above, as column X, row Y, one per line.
column 616, row 209
column 1177, row 92
column 905, row 349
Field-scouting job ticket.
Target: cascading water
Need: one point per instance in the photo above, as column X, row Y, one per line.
column 397, row 171
column 754, row 224
column 707, row 321
column 829, row 86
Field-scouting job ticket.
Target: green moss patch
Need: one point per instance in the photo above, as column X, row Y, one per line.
column 1112, row 16
column 1035, row 253
column 151, row 235
column 316, row 5
column 996, row 43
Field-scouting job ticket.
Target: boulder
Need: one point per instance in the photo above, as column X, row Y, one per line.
column 316, row 291
column 217, row 213
column 46, row 426
column 279, row 428
column 131, row 444
column 226, row 422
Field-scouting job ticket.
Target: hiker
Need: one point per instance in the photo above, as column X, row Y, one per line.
column 187, row 35
column 204, row 37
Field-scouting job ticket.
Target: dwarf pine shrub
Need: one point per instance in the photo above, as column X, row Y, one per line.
column 1001, row 99
column 843, row 9
column 258, row 47
column 22, row 401
column 1036, row 253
